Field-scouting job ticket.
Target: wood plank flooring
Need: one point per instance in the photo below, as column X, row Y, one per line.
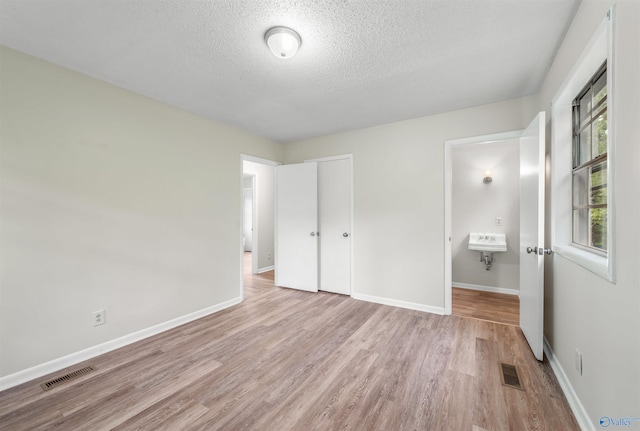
column 293, row 360
column 489, row 306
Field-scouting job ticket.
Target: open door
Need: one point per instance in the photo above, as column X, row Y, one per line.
column 297, row 226
column 532, row 251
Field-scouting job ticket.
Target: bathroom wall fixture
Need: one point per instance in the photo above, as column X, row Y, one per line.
column 487, row 177
column 487, row 244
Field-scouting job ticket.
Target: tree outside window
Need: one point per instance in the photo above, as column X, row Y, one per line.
column 590, row 163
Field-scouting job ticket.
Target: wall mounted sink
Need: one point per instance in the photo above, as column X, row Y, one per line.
column 488, row 242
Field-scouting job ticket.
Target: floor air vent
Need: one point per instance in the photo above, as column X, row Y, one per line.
column 67, row 377
column 510, row 377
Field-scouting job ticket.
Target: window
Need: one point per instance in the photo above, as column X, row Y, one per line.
column 583, row 158
column 589, row 176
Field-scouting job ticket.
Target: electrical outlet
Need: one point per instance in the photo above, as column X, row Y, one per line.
column 98, row 318
column 269, row 256
column 498, row 221
column 578, row 362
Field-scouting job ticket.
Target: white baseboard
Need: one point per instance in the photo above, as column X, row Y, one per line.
column 398, row 303
column 485, row 288
column 66, row 361
column 266, row 268
column 572, row 398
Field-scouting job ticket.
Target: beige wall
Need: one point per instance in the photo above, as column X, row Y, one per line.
column 582, row 310
column 398, row 173
column 109, row 200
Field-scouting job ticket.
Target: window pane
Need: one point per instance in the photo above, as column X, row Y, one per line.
column 580, row 223
column 600, row 89
column 580, row 186
column 602, row 106
column 599, row 228
column 585, row 107
column 589, row 183
column 584, row 150
column 598, row 187
column 599, row 140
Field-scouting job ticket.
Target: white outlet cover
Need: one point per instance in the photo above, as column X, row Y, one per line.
column 98, row 318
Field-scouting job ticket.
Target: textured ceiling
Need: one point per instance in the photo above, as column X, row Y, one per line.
column 361, row 63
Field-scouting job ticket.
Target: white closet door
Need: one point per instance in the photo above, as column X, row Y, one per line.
column 297, row 226
column 334, row 196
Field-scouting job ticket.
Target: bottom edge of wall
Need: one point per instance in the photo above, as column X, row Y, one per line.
column 575, row 404
column 52, row 366
column 265, row 269
column 398, row 303
column 483, row 288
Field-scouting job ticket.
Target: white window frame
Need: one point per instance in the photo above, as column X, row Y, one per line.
column 599, row 49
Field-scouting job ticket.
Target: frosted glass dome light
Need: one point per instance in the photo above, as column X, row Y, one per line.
column 282, row 41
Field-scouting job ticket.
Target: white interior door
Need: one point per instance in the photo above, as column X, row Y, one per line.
column 297, row 226
column 334, row 197
column 532, row 176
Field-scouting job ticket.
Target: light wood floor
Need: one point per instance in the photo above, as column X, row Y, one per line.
column 292, row 360
column 493, row 307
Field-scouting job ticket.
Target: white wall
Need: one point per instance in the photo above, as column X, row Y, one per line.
column 582, row 310
column 110, row 201
column 476, row 205
column 398, row 172
column 102, row 207
column 265, row 207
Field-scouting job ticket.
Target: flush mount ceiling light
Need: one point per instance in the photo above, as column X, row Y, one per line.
column 282, row 41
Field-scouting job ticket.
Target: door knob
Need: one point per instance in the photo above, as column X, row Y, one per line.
column 345, row 235
column 312, row 233
column 540, row 251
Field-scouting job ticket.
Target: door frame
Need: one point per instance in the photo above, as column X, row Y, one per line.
column 254, row 263
column 351, row 210
column 449, row 145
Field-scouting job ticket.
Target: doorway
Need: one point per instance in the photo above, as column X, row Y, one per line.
column 485, row 200
column 248, row 200
column 531, row 248
column 257, row 218
column 475, row 204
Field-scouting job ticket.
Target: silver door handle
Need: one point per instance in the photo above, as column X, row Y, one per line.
column 312, row 233
column 540, row 251
column 345, row 235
